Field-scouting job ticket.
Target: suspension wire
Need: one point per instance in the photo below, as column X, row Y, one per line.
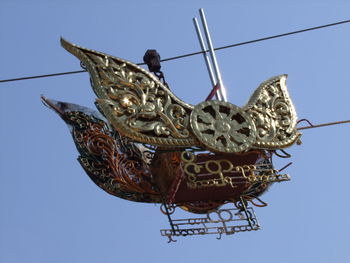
column 194, row 53
column 323, row 125
column 44, row 76
column 261, row 39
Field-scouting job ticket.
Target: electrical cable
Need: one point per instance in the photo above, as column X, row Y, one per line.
column 194, row 53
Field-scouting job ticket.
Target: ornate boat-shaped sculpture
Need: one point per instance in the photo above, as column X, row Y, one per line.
column 149, row 146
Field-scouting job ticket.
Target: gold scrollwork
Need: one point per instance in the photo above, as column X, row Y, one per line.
column 111, row 170
column 219, row 171
column 142, row 108
column 273, row 114
column 134, row 101
column 213, row 167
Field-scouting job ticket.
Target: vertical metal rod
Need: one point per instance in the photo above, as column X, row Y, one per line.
column 169, row 218
column 206, row 58
column 213, row 56
column 168, row 214
column 246, row 213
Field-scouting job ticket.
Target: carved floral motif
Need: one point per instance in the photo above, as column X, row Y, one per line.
column 115, row 172
column 135, row 102
column 140, row 107
column 274, row 115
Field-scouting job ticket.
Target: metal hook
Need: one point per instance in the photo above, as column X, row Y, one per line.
column 306, row 120
column 170, row 239
column 286, row 155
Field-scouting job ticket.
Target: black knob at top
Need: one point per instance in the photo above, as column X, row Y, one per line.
column 152, row 59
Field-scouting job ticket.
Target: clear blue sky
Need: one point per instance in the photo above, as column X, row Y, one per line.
column 50, row 211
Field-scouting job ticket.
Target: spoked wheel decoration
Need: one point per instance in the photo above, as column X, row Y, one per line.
column 222, row 126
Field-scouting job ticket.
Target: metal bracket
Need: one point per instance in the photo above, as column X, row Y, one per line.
column 219, row 222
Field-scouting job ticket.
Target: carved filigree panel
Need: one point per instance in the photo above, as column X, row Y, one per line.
column 135, row 102
column 274, row 115
column 114, row 172
column 142, row 108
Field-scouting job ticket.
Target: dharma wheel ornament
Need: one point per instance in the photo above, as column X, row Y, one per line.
column 147, row 145
column 223, row 127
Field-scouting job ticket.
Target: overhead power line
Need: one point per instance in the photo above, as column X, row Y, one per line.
column 194, row 53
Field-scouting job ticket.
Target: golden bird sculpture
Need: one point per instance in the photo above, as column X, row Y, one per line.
column 147, row 145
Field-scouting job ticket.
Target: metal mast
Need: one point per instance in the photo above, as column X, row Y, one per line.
column 215, row 76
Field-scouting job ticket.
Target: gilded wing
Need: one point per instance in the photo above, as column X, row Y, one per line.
column 273, row 114
column 134, row 101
